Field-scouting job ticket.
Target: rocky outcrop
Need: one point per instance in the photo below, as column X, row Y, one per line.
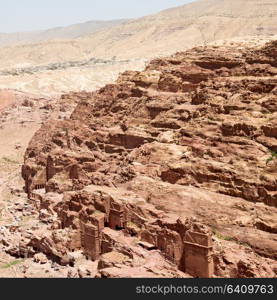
column 225, row 125
column 194, row 135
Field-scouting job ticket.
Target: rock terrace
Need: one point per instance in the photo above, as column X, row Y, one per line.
column 170, row 172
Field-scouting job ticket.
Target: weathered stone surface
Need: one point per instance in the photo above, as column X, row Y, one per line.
column 165, row 156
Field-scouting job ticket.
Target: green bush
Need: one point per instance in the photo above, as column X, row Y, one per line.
column 272, row 157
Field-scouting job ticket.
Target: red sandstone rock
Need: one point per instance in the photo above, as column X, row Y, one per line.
column 188, row 137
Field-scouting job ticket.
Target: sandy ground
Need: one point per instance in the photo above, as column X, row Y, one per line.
column 6, row 98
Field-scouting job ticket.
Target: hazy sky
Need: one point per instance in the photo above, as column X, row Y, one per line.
column 24, row 15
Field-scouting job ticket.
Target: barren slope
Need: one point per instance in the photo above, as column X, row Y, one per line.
column 193, row 24
column 187, row 140
column 175, row 29
column 52, row 65
column 66, row 32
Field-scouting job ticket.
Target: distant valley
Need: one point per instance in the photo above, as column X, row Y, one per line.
column 44, row 62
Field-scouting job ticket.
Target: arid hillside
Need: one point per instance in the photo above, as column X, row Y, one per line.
column 168, row 170
column 193, row 24
column 67, row 32
column 143, row 168
column 198, row 23
column 72, row 64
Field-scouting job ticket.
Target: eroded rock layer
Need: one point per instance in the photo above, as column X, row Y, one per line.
column 192, row 139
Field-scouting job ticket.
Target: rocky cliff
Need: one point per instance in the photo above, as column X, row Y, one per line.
column 194, row 136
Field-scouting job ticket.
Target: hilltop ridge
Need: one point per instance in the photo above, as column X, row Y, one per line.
column 201, row 23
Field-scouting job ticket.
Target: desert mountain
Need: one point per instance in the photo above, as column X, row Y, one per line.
column 121, row 182
column 193, row 24
column 62, row 65
column 66, row 32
